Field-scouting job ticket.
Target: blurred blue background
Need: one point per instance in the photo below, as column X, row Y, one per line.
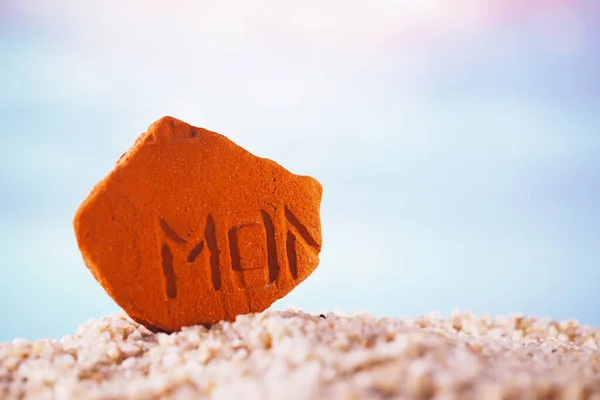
column 458, row 142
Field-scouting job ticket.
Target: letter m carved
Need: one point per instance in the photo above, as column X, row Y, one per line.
column 210, row 241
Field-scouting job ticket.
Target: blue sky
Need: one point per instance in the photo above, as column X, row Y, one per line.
column 457, row 145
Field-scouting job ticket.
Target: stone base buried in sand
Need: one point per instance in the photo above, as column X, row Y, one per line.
column 292, row 355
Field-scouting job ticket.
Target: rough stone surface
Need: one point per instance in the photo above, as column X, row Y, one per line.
column 293, row 355
column 189, row 228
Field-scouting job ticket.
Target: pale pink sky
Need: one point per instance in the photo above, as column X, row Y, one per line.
column 279, row 53
column 328, row 26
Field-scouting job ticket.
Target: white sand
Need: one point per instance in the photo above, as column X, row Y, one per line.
column 292, row 355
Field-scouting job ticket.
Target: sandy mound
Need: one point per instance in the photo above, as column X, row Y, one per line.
column 292, row 355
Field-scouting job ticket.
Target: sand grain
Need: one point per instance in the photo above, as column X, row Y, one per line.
column 293, row 355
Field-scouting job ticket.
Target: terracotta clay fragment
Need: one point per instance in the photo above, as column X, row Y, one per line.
column 189, row 228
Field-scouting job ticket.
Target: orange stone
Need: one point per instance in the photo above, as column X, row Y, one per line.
column 189, row 228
